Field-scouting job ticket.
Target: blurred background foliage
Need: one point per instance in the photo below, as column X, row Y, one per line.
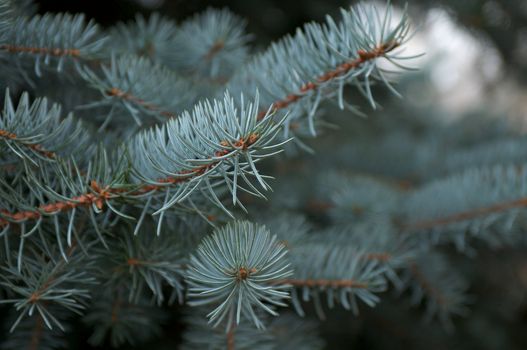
column 472, row 80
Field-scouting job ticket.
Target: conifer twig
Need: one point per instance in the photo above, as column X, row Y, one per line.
column 35, row 296
column 116, row 92
column 383, row 256
column 100, row 195
column 231, row 337
column 340, row 70
column 36, row 333
column 466, row 215
column 426, row 285
column 57, row 52
column 34, row 146
column 214, row 50
column 322, row 283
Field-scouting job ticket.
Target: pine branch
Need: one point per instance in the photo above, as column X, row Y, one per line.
column 339, row 71
column 114, row 314
column 33, row 146
column 129, row 97
column 323, row 283
column 381, row 256
column 140, row 88
column 234, row 270
column 323, row 59
column 485, row 203
column 211, row 45
column 36, row 333
column 11, row 10
column 53, row 36
column 153, row 38
column 6, row 15
column 42, row 283
column 294, row 231
column 372, row 241
column 285, row 332
column 35, row 130
column 336, row 270
column 53, row 186
column 245, row 137
column 466, row 215
column 208, row 147
column 426, row 285
column 231, row 338
column 214, row 50
column 98, row 197
column 123, row 322
column 144, row 263
column 57, row 270
column 369, row 242
column 32, row 334
column 434, row 282
column 505, row 150
column 55, row 52
column 357, row 198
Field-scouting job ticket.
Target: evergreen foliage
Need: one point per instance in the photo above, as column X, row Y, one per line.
column 153, row 202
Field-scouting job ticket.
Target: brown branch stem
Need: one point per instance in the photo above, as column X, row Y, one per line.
column 114, row 314
column 384, row 257
column 323, row 283
column 466, row 215
column 36, row 333
column 35, row 296
column 33, row 146
column 426, row 285
column 231, row 337
column 340, row 70
column 57, row 52
column 116, row 92
column 99, row 195
column 214, row 49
